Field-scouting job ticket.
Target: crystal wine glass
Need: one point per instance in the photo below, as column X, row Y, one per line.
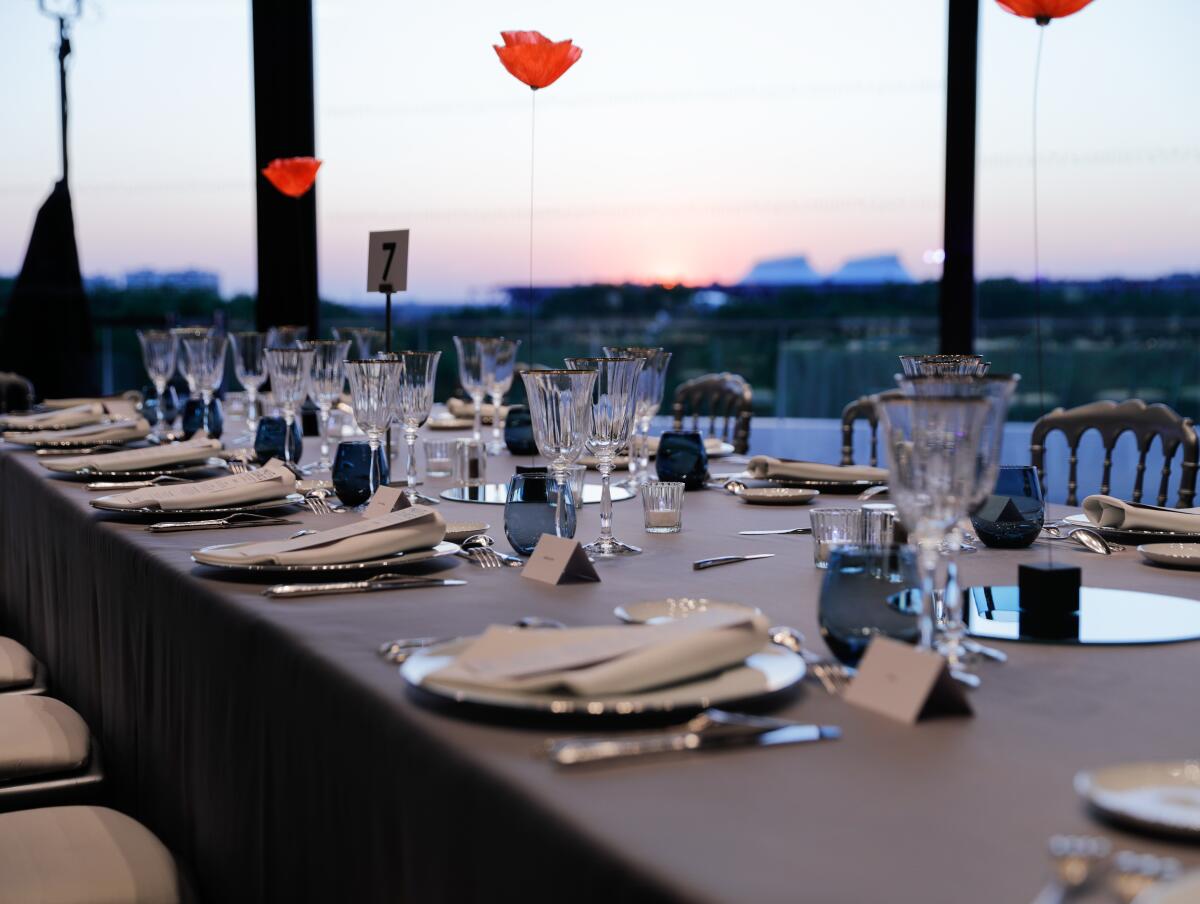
column 413, row 404
column 328, row 378
column 651, row 384
column 159, row 348
column 204, row 358
column 374, row 387
column 932, row 447
column 613, row 402
column 251, row 371
column 188, row 332
column 501, row 360
column 471, row 374
column 291, row 372
column 996, row 391
column 943, row 365
column 560, row 405
column 368, row 341
column 286, row 336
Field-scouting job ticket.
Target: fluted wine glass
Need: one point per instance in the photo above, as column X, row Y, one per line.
column 560, row 406
column 291, row 372
column 251, row 370
column 472, row 376
column 286, row 336
column 943, row 365
column 188, row 332
column 651, row 384
column 159, row 348
column 613, row 399
column 368, row 341
column 204, row 359
column 327, row 380
column 374, row 386
column 499, row 364
column 413, row 404
column 932, row 449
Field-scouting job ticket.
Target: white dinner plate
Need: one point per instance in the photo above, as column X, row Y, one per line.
column 1120, row 533
column 656, row 612
column 768, row 671
column 395, row 562
column 1184, row 890
column 1162, row 797
column 1173, row 555
column 457, row 531
column 777, row 495
column 267, row 505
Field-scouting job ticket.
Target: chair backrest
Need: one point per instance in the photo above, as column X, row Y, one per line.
column 863, row 408
column 16, row 393
column 1111, row 420
column 725, row 397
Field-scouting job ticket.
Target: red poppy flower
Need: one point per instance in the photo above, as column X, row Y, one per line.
column 293, row 176
column 1042, row 11
column 534, row 59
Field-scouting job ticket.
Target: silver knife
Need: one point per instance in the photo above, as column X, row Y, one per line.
column 576, row 751
column 392, row 582
column 726, row 560
column 786, row 530
column 227, row 523
column 135, row 484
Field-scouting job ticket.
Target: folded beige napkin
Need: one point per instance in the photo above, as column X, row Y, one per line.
column 609, row 660
column 416, row 527
column 1107, row 511
column 764, row 467
column 466, row 408
column 196, row 449
column 131, row 396
column 59, row 419
column 112, row 432
column 272, row 481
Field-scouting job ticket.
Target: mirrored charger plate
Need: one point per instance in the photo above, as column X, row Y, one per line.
column 185, row 469
column 1160, row 797
column 836, row 487
column 290, row 501
column 397, row 562
column 81, row 443
column 1122, row 535
column 496, row 494
column 769, row 671
column 777, row 495
column 1173, row 555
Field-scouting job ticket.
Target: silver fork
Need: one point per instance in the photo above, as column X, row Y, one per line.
column 238, row 466
column 833, row 676
column 483, row 557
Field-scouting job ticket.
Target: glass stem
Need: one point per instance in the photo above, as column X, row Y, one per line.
column 560, row 506
column 927, row 561
column 410, row 437
column 477, row 435
column 635, row 452
column 323, row 417
column 252, row 411
column 952, row 625
column 206, row 398
column 289, row 418
column 644, row 450
column 372, row 477
column 497, row 428
column 160, row 391
column 606, row 532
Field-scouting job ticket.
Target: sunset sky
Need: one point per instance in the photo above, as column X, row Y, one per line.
column 692, row 139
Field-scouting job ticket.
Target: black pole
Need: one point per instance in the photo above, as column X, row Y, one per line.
column 958, row 307
column 284, row 126
column 64, row 50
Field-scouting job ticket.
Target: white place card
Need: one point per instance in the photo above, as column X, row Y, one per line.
column 386, row 499
column 906, row 684
column 559, row 559
column 387, row 261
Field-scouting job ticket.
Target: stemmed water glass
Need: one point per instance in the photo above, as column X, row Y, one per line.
column 251, row 371
column 374, row 386
column 413, row 404
column 560, row 406
column 159, row 348
column 471, row 373
column 204, row 359
column 188, row 332
column 286, row 336
column 368, row 341
column 943, row 365
column 932, row 447
column 651, row 384
column 613, row 401
column 328, row 378
column 500, row 362
column 291, row 372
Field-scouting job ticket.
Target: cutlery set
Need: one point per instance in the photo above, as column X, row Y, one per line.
column 1082, row 862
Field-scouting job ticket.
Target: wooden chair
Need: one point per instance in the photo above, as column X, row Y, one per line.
column 1111, row 420
column 16, row 393
column 725, row 397
column 863, row 408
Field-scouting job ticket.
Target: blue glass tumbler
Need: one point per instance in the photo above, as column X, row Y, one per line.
column 1012, row 517
column 194, row 417
column 352, row 477
column 529, row 510
column 268, row 443
column 681, row 457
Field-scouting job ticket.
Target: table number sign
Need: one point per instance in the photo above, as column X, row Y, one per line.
column 387, row 261
column 903, row 683
column 558, row 559
column 385, row 500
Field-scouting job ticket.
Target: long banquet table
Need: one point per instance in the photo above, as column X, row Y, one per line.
column 268, row 744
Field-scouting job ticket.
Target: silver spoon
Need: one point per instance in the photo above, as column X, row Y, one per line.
column 1085, row 537
column 483, row 541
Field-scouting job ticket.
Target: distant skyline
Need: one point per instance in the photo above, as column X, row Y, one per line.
column 690, row 142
